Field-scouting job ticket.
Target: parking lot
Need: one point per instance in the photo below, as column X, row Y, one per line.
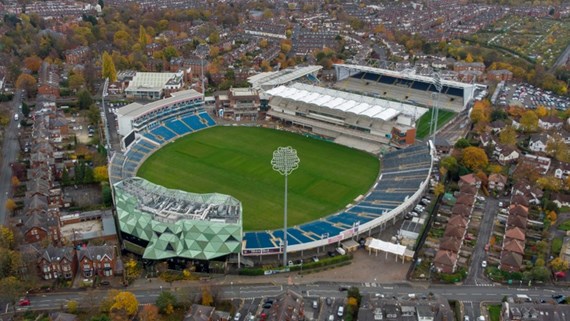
column 528, row 96
column 316, row 308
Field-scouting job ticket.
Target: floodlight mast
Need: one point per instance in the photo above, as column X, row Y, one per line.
column 285, row 161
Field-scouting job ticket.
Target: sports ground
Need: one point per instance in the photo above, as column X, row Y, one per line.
column 237, row 161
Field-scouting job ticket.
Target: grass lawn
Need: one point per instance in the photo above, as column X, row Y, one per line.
column 423, row 123
column 237, row 161
column 564, row 226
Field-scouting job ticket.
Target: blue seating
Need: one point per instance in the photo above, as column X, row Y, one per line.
column 251, row 240
column 320, row 228
column 348, row 219
column 178, row 127
column 455, row 92
column 194, row 122
column 153, row 138
column 299, row 235
column 387, row 80
column 358, row 75
column 208, row 119
column 290, row 239
column 163, row 132
column 420, row 85
column 146, row 144
column 371, row 77
column 264, row 239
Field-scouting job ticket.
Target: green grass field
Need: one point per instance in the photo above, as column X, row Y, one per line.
column 423, row 123
column 237, row 161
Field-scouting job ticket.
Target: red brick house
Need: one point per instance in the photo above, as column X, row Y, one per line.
column 57, row 263
column 97, row 260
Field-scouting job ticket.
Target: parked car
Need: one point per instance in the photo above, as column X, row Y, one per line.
column 484, row 264
column 24, row 302
column 343, row 288
column 237, row 316
column 315, row 258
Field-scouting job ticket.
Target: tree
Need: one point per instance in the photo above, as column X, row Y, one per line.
column 481, row 112
column 6, row 238
column 143, row 37
column 214, row 51
column 132, row 269
column 550, row 183
column 469, row 58
column 94, row 115
column 462, row 143
column 552, row 216
column 33, row 63
column 149, row 313
column 541, row 111
column 84, row 99
column 475, row 158
column 207, row 298
column 164, row 301
column 508, row 136
column 11, row 288
column 499, row 114
column 121, row 39
column 263, row 43
column 11, row 205
column 26, row 82
column 72, row 306
column 125, row 302
column 100, row 174
column 439, row 189
column 214, row 37
column 559, row 264
column 76, row 80
column 15, row 181
column 557, row 148
column 108, row 67
column 529, row 121
column 450, row 164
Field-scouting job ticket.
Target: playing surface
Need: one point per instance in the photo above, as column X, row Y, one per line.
column 237, row 161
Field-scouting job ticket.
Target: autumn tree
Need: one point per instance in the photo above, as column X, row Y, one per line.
column 10, row 205
column 474, row 158
column 508, row 136
column 481, row 112
column 207, row 298
column 72, row 306
column 541, row 111
column 121, row 39
column 550, row 183
column 558, row 264
column 108, row 67
column 439, row 189
column 15, row 181
column 124, row 303
column 100, row 174
column 26, row 82
column 552, row 216
column 33, row 63
column 557, row 148
column 529, row 121
column 11, row 288
column 149, row 313
column 133, row 269
column 469, row 58
column 263, row 43
column 214, row 37
column 285, row 46
column 143, row 37
column 76, row 80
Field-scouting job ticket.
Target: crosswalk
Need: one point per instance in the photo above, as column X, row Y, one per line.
column 371, row 285
column 486, row 284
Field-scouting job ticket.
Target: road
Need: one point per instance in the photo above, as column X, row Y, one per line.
column 561, row 61
column 471, row 295
column 10, row 149
column 479, row 254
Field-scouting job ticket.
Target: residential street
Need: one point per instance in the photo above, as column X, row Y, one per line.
column 476, row 276
column 9, row 154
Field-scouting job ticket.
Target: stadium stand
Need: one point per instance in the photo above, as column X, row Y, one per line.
column 178, row 127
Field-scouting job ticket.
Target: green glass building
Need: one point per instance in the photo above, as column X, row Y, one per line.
column 160, row 223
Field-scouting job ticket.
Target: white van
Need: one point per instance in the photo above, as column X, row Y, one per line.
column 340, row 251
column 340, row 312
column 16, row 117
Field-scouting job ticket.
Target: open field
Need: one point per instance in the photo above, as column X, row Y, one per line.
column 423, row 123
column 236, row 161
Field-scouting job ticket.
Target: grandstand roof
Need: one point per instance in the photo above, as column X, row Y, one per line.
column 399, row 74
column 347, row 102
column 151, row 81
column 276, row 78
column 135, row 109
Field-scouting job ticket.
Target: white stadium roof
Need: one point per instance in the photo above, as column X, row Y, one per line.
column 408, row 75
column 276, row 78
column 346, row 102
column 135, row 109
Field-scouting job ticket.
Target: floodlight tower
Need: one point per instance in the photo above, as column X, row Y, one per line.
column 435, row 114
column 202, row 51
column 285, row 161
